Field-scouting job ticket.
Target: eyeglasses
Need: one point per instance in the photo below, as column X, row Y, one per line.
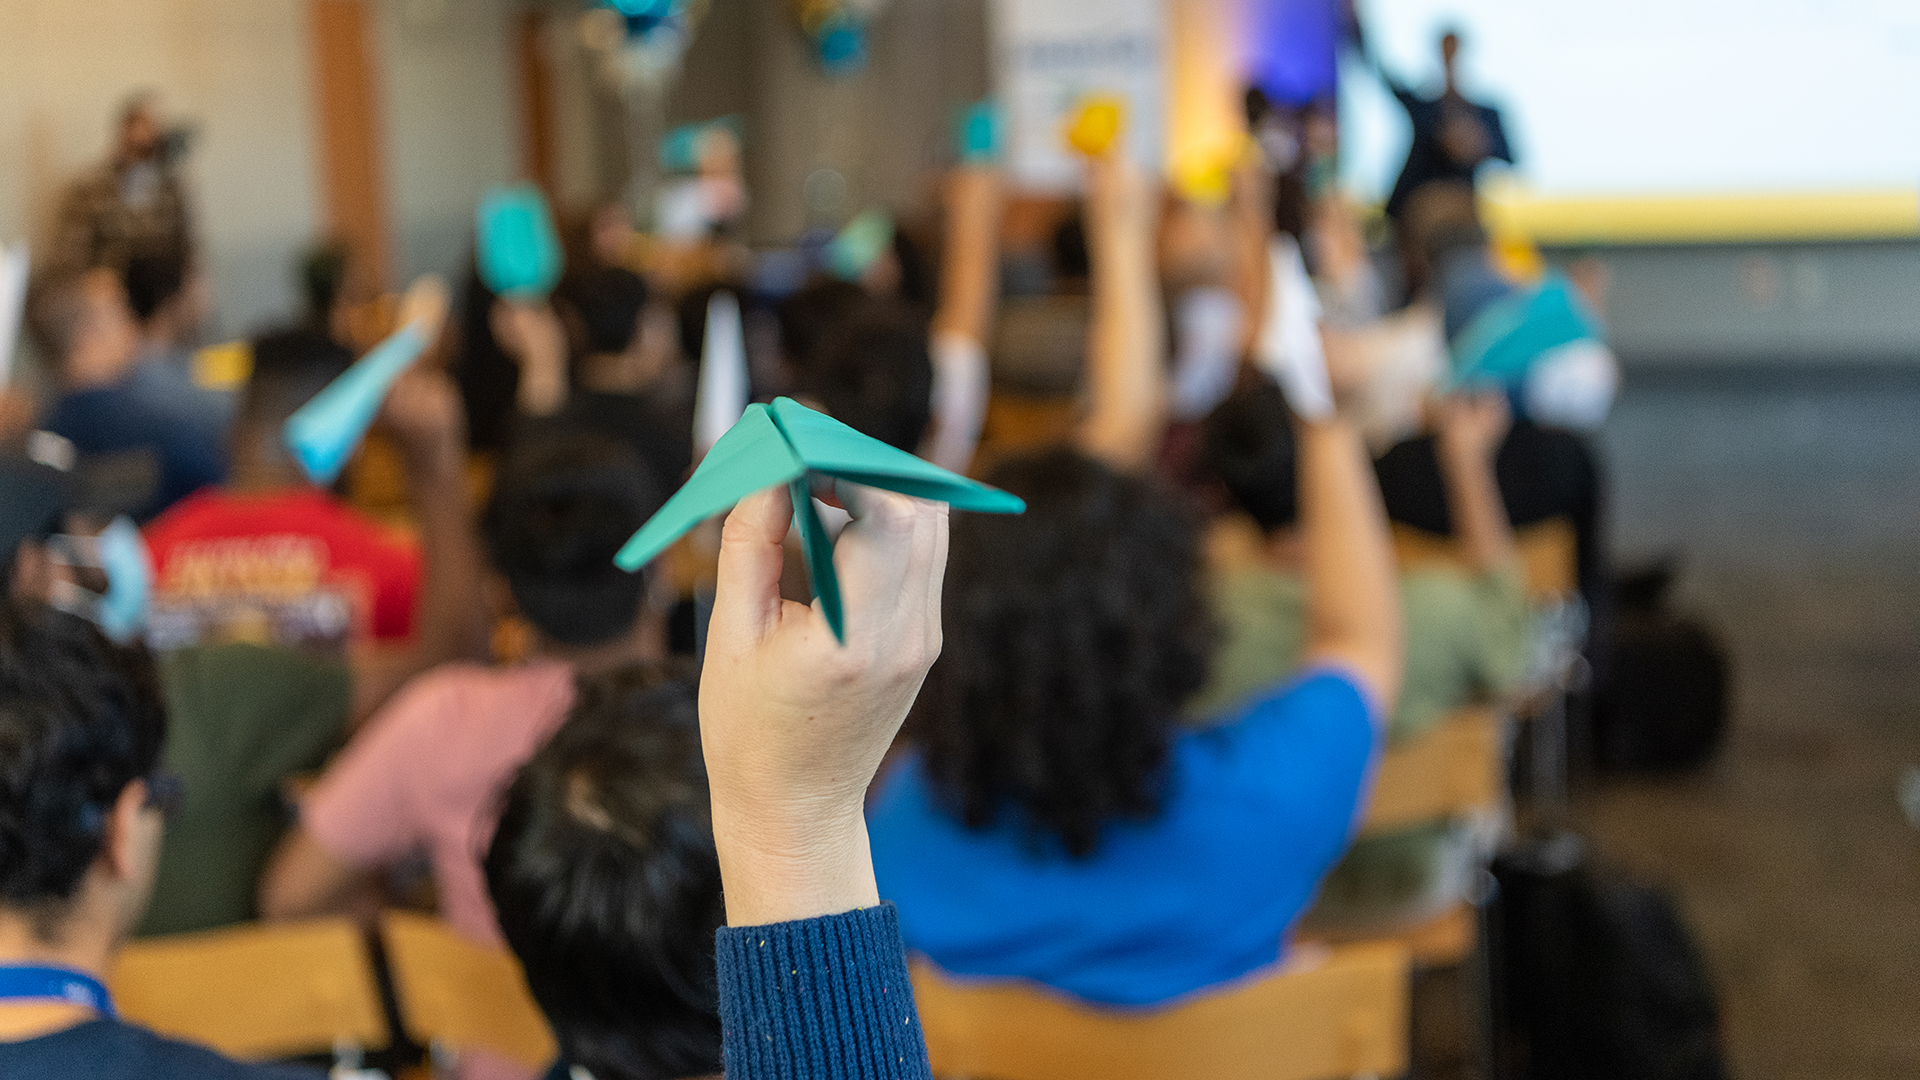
column 165, row 792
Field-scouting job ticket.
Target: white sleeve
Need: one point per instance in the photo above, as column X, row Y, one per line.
column 721, row 398
column 13, row 300
column 960, row 383
column 1289, row 345
column 1207, row 322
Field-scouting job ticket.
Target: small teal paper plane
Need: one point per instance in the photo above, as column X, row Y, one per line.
column 781, row 444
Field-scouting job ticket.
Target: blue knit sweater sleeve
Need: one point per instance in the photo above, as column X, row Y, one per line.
column 826, row 997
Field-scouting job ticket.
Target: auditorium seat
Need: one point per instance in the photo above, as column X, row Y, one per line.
column 453, row 993
column 1339, row 1013
column 257, row 991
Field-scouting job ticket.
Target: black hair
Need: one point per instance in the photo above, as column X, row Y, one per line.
column 1073, row 635
column 1247, row 444
column 80, row 719
column 810, row 312
column 872, row 372
column 323, row 277
column 55, row 311
column 289, row 367
column 1071, row 261
column 564, row 504
column 918, row 283
column 153, row 279
column 605, row 303
column 607, row 886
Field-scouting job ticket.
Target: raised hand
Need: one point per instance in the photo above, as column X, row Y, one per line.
column 794, row 723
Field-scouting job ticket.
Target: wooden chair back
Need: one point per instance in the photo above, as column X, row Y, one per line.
column 454, row 993
column 1450, row 771
column 1547, row 549
column 1344, row 1016
column 257, row 991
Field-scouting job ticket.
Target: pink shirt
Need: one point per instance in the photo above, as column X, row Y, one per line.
column 427, row 772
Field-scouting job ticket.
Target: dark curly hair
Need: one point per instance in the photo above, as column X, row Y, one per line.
column 1073, row 634
column 604, row 876
column 80, row 719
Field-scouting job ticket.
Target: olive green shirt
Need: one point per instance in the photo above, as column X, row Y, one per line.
column 241, row 719
column 1468, row 639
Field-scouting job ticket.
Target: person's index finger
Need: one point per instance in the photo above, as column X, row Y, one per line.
column 762, row 517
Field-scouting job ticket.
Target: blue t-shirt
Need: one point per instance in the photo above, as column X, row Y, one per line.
column 111, row 1050
column 156, row 413
column 1258, row 809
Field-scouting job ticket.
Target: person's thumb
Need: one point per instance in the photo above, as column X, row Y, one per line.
column 746, row 597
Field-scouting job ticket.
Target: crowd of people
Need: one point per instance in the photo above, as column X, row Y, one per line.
column 1079, row 747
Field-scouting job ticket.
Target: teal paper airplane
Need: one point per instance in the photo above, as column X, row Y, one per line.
column 781, row 444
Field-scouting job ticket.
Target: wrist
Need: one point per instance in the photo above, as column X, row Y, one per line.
column 779, row 867
column 432, row 462
column 1463, row 457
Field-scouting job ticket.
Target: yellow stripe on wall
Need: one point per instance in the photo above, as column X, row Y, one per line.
column 1703, row 218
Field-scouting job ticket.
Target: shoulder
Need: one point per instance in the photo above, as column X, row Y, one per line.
column 464, row 694
column 113, row 1048
column 173, row 1059
column 1323, row 705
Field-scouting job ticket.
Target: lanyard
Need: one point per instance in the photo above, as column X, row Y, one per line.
column 54, row 984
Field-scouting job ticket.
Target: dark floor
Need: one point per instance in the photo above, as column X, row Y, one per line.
column 1793, row 501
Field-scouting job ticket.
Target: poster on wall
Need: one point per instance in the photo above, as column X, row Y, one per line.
column 1051, row 55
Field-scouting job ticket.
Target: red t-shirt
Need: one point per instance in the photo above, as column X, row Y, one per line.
column 295, row 568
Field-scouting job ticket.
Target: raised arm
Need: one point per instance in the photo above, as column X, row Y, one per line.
column 794, row 726
column 1468, row 429
column 1250, row 218
column 969, row 285
column 1126, row 346
column 423, row 415
column 1353, row 600
column 532, row 336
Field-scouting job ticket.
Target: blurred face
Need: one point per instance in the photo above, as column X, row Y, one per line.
column 1193, row 245
column 610, row 234
column 139, row 136
column 1449, row 48
column 33, row 573
column 105, row 340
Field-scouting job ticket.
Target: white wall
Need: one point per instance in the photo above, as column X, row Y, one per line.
column 1634, row 97
column 452, row 122
column 237, row 68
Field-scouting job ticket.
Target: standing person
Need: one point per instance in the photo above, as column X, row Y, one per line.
column 131, row 204
column 1452, row 137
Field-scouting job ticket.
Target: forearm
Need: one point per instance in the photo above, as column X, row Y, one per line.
column 304, row 881
column 449, row 621
column 968, row 285
column 1353, row 603
column 1480, row 524
column 543, row 388
column 1252, row 214
column 1125, row 351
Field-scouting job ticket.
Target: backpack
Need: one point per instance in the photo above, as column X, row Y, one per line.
column 1595, row 977
column 1663, row 705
